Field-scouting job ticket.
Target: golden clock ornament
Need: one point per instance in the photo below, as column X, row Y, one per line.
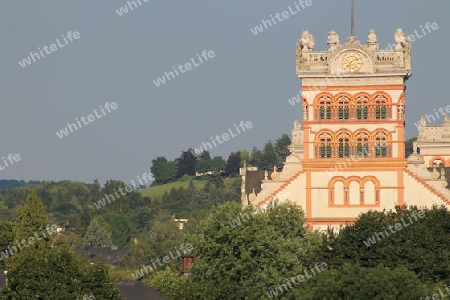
column 352, row 62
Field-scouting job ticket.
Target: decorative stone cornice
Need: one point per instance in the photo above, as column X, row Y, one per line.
column 365, row 60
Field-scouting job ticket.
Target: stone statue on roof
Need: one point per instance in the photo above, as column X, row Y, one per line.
column 306, row 41
column 372, row 40
column 400, row 39
column 423, row 122
column 333, row 40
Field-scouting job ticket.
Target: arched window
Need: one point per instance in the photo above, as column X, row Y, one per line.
column 362, row 145
column 325, row 146
column 344, row 145
column 344, row 111
column 325, row 108
column 362, row 104
column 380, row 107
column 437, row 162
column 381, row 147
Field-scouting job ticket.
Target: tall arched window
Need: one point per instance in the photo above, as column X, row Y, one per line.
column 362, row 145
column 380, row 107
column 325, row 146
column 344, row 145
column 325, row 108
column 381, row 146
column 344, row 111
column 362, row 104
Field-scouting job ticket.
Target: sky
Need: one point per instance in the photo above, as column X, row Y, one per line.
column 117, row 58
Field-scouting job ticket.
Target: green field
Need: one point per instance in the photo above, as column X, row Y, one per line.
column 159, row 190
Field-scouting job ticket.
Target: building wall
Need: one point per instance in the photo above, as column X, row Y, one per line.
column 335, row 190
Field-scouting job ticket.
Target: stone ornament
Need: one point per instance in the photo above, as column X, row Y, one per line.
column 306, row 42
column 415, row 158
column 252, row 196
column 400, row 39
column 435, row 174
column 333, row 40
column 401, row 110
column 274, row 174
column 423, row 122
column 297, row 134
column 372, row 40
column 446, row 120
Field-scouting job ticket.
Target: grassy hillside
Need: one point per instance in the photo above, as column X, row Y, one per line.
column 159, row 190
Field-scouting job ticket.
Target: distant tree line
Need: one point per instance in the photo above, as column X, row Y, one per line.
column 12, row 183
column 70, row 205
column 272, row 154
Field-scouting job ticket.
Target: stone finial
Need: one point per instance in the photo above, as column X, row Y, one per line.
column 306, row 41
column 423, row 122
column 252, row 196
column 297, row 134
column 446, row 119
column 372, row 40
column 333, row 40
column 435, row 174
column 266, row 175
column 415, row 159
column 400, row 39
column 274, row 174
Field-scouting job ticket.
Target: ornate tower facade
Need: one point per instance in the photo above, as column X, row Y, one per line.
column 353, row 101
column 348, row 155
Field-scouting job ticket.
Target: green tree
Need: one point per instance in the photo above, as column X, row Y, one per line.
column 233, row 163
column 281, row 148
column 163, row 170
column 163, row 237
column 30, row 218
column 216, row 181
column 239, row 253
column 166, row 281
column 60, row 274
column 186, row 164
column 205, row 155
column 269, row 157
column 96, row 235
column 30, row 228
column 204, row 163
column 6, row 238
column 409, row 146
column 354, row 282
column 118, row 190
column 39, row 272
column 120, row 228
column 69, row 239
column 422, row 245
column 255, row 157
column 245, row 156
column 218, row 164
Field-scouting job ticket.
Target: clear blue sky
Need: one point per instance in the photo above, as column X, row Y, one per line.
column 117, row 58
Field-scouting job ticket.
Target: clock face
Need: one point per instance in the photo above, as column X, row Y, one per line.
column 352, row 62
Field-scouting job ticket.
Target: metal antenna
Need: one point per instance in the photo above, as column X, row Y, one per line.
column 352, row 33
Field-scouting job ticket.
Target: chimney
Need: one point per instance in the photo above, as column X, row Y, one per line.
column 188, row 260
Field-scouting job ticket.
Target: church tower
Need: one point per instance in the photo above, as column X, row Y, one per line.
column 347, row 154
column 353, row 99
